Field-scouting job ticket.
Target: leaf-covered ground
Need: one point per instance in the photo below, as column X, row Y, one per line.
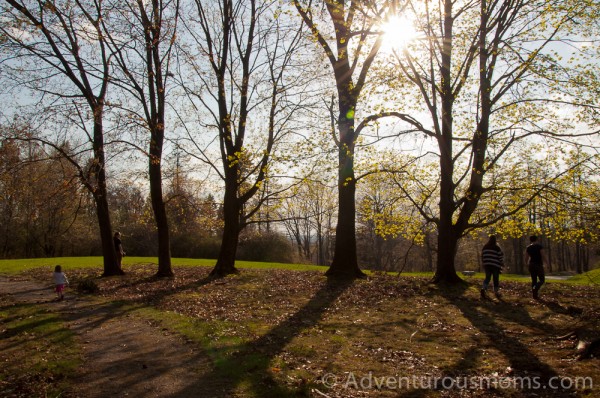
column 285, row 333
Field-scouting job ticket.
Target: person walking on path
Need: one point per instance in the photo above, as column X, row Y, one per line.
column 119, row 248
column 492, row 259
column 60, row 280
column 535, row 257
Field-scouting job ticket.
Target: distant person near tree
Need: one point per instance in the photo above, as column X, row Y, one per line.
column 60, row 280
column 119, row 248
column 535, row 258
column 492, row 259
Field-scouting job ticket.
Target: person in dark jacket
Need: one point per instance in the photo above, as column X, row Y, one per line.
column 492, row 259
column 535, row 259
column 118, row 248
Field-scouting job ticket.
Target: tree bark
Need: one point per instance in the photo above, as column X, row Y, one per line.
column 157, row 66
column 445, row 272
column 231, row 228
column 579, row 257
column 447, row 237
column 428, row 252
column 518, row 254
column 106, row 237
column 548, row 248
column 345, row 260
column 100, row 194
column 158, row 206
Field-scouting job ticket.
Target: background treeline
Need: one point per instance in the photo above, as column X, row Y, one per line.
column 300, row 131
column 45, row 213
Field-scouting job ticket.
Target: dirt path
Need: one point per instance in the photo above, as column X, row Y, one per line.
column 123, row 355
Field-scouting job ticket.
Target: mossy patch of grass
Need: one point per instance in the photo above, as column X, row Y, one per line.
column 591, row 277
column 38, row 352
column 247, row 369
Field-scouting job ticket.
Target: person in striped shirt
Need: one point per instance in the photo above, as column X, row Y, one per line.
column 492, row 258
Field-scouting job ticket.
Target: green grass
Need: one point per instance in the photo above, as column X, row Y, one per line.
column 52, row 354
column 590, row 277
column 20, row 265
column 221, row 346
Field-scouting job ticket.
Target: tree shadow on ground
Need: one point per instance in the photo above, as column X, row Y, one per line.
column 556, row 307
column 529, row 373
column 97, row 313
column 24, row 318
column 250, row 363
column 82, row 308
column 154, row 295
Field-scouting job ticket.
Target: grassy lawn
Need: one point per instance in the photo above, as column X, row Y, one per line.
column 591, row 277
column 69, row 263
column 38, row 353
column 276, row 330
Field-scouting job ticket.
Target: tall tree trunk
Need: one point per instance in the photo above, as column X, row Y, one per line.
column 447, row 234
column 320, row 246
column 428, row 252
column 549, row 254
column 518, row 255
column 231, row 228
column 307, row 240
column 297, row 238
column 71, row 65
column 159, row 208
column 345, row 260
column 106, row 236
column 100, row 194
column 447, row 241
column 579, row 257
column 379, row 250
column 157, row 64
column 447, row 246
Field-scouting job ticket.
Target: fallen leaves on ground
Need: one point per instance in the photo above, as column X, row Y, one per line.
column 384, row 325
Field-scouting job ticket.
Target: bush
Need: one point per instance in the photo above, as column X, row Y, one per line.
column 88, row 286
column 195, row 246
column 269, row 247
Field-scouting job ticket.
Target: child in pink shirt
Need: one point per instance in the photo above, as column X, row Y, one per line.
column 60, row 280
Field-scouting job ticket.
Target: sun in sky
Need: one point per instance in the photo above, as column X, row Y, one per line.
column 398, row 32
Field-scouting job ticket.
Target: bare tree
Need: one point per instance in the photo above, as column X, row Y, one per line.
column 306, row 216
column 250, row 92
column 142, row 39
column 53, row 43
